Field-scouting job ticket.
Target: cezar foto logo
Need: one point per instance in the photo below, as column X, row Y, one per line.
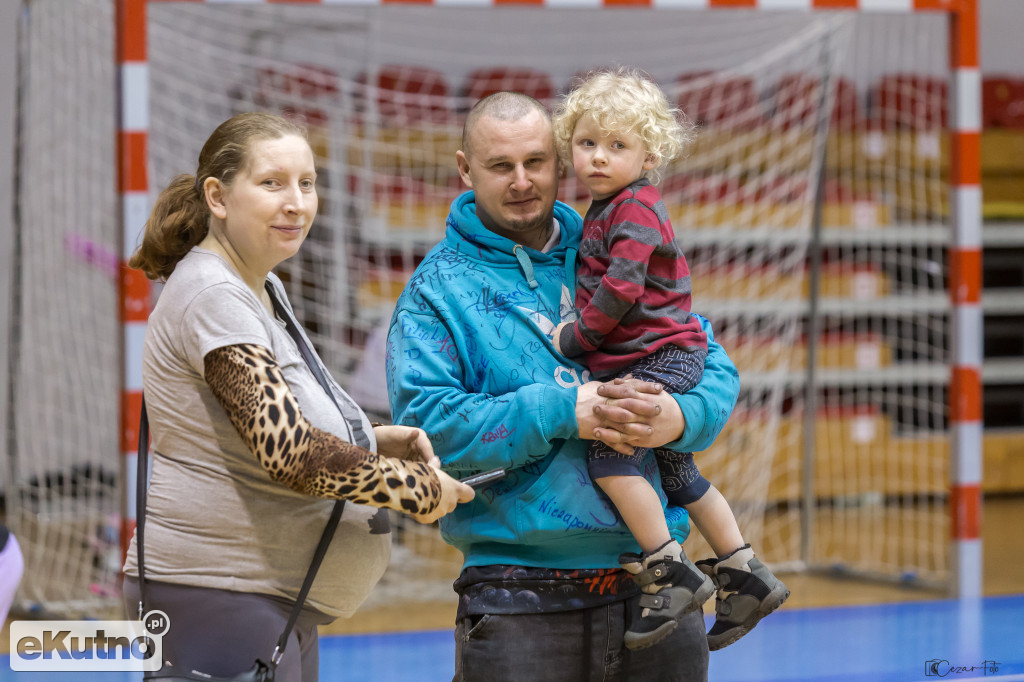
column 89, row 645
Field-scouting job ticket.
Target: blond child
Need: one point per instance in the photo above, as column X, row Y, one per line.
column 616, row 129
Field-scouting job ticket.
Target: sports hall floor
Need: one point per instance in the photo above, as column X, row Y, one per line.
column 830, row 629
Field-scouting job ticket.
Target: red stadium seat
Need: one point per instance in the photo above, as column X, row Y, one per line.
column 685, row 188
column 293, row 90
column 719, row 102
column 1002, row 102
column 797, row 98
column 699, row 189
column 487, row 81
column 407, row 95
column 910, row 101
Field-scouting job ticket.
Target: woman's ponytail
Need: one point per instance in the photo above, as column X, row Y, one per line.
column 179, row 221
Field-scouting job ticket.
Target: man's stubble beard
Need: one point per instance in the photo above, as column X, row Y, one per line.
column 543, row 225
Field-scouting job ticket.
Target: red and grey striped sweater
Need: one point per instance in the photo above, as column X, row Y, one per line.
column 632, row 285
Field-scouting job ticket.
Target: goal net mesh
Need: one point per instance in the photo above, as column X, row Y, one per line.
column 812, row 209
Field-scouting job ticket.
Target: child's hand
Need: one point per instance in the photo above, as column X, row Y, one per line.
column 557, row 333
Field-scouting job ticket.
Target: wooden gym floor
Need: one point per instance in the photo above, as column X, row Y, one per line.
column 830, row 629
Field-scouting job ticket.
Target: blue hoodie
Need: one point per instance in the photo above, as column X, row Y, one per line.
column 470, row 360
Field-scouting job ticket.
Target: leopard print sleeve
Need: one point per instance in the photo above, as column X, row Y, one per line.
column 248, row 383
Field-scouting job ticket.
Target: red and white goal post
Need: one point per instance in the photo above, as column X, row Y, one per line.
column 829, row 209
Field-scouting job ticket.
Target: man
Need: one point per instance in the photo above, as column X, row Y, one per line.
column 470, row 360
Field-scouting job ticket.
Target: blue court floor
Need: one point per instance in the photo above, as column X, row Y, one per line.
column 914, row 641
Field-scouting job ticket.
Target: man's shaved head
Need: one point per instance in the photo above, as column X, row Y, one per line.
column 513, row 169
column 501, row 106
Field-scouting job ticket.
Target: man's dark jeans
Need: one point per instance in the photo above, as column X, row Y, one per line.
column 576, row 646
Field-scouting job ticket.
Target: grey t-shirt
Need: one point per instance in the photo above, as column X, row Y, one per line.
column 214, row 517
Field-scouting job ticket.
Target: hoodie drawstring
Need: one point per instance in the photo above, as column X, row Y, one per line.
column 570, row 269
column 527, row 265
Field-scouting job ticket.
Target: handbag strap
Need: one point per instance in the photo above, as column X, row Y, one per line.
column 358, row 435
column 141, row 467
column 332, row 521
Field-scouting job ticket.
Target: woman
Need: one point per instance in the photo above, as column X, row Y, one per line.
column 246, row 441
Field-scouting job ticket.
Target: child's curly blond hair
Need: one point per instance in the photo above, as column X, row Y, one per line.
column 626, row 100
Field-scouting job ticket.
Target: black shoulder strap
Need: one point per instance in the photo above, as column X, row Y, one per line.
column 358, row 436
column 141, row 476
column 332, row 521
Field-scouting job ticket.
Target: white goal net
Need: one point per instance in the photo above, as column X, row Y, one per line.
column 812, row 210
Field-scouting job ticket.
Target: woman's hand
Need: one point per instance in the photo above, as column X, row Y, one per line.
column 453, row 492
column 406, row 443
column 411, row 444
column 627, row 413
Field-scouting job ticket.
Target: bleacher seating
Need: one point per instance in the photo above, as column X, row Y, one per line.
column 1002, row 102
column 909, row 101
column 407, row 95
column 797, row 96
column 715, row 101
column 486, row 81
